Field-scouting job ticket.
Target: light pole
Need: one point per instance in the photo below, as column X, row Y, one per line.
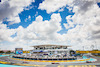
column 92, row 46
column 83, row 48
column 96, row 45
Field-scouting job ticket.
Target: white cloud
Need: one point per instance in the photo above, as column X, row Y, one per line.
column 36, row 14
column 60, row 10
column 11, row 8
column 86, row 32
column 5, row 34
column 3, row 26
column 53, row 5
column 12, row 46
column 29, row 18
column 39, row 31
column 45, row 29
column 13, row 20
column 39, row 19
column 70, row 23
column 87, row 14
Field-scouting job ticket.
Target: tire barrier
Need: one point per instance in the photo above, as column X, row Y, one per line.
column 51, row 60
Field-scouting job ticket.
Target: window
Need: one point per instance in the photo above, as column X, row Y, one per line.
column 36, row 48
column 64, row 47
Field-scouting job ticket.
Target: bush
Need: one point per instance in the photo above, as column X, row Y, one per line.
column 1, row 51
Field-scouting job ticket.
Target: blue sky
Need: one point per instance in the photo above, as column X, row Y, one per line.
column 34, row 12
column 48, row 22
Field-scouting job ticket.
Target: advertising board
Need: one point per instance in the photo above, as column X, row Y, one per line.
column 18, row 50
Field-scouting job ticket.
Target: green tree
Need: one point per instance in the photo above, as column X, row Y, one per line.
column 1, row 51
column 8, row 52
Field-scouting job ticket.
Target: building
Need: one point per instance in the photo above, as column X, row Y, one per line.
column 46, row 47
column 48, row 52
column 51, row 50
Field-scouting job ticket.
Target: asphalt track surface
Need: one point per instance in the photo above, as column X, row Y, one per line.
column 47, row 64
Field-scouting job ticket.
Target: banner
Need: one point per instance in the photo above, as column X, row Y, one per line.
column 19, row 50
column 87, row 51
column 26, row 51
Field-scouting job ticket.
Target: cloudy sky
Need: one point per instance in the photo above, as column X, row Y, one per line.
column 24, row 23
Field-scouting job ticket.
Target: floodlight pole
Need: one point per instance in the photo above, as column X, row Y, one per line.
column 83, row 48
column 92, row 46
column 96, row 45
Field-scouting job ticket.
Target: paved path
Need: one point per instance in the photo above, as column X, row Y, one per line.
column 98, row 59
column 48, row 64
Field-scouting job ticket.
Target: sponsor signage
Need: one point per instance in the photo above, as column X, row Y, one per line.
column 87, row 51
column 19, row 50
column 26, row 51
